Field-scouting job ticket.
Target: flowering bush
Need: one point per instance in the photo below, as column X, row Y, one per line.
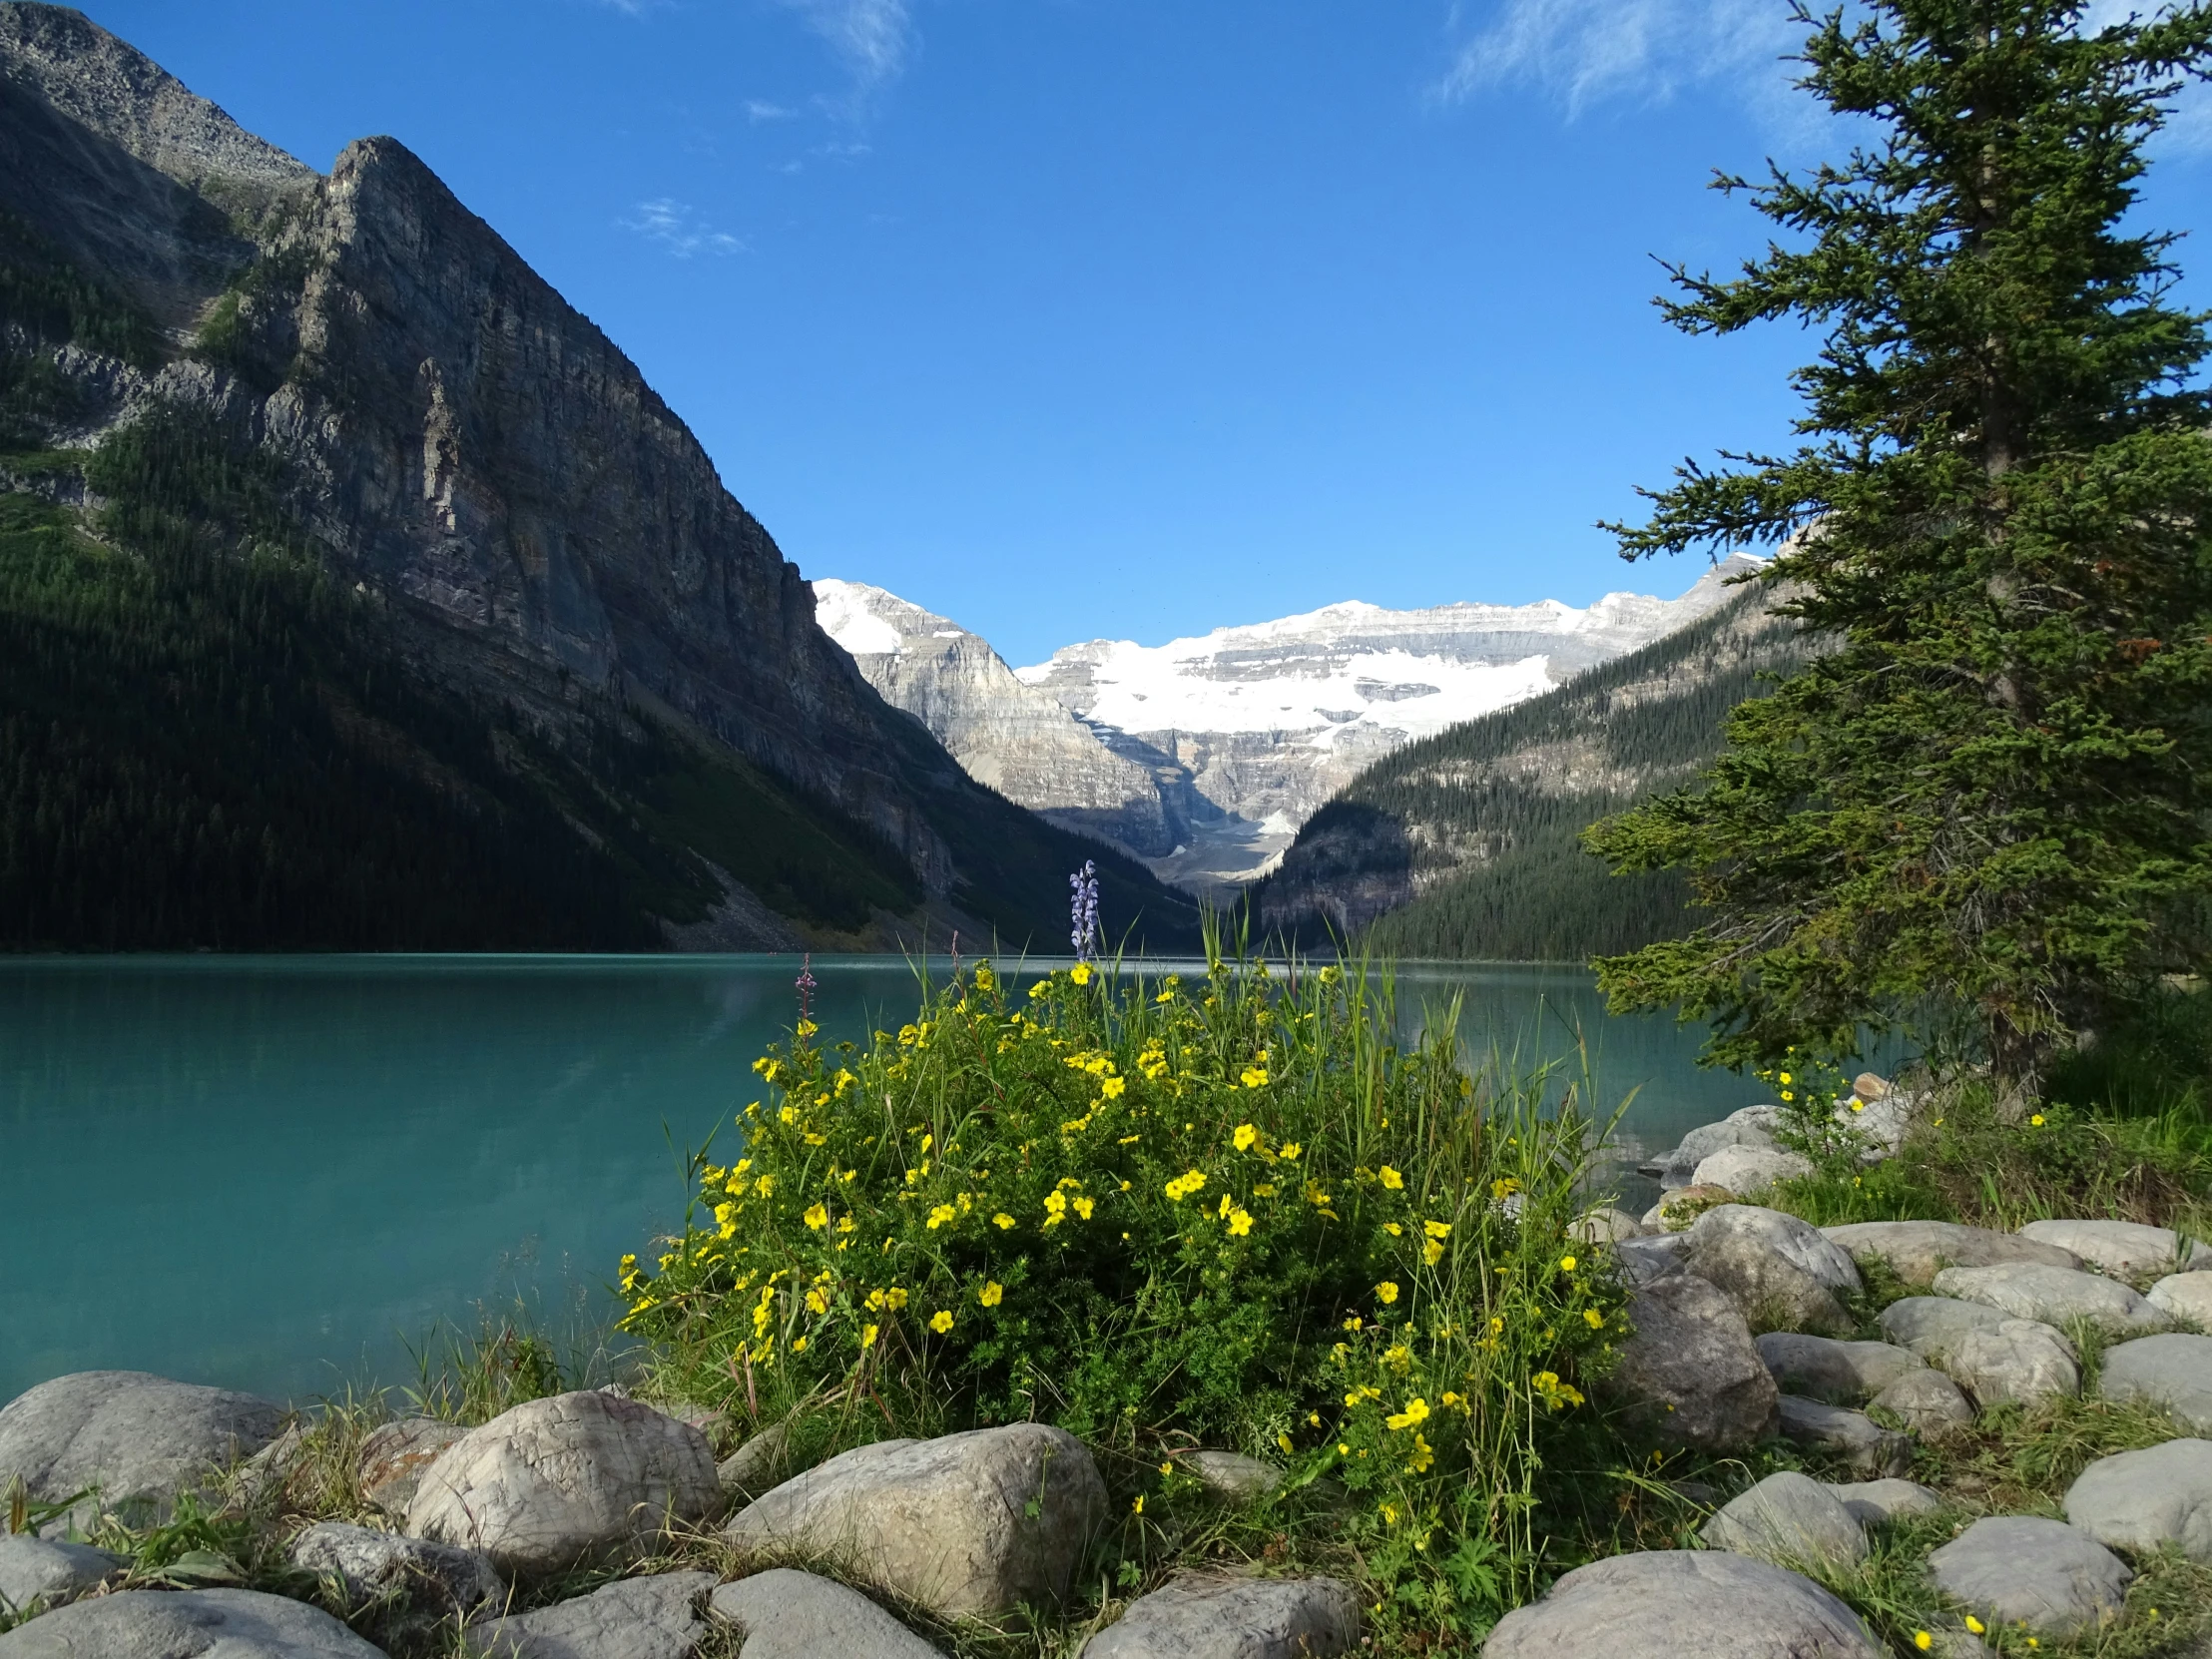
column 1231, row 1212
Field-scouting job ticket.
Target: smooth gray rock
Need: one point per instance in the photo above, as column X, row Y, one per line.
column 1606, row 1225
column 786, row 1614
column 2126, row 1250
column 186, row 1624
column 45, row 1570
column 1884, row 1121
column 2174, row 1369
column 2184, row 1295
column 2140, row 1500
column 1231, row 1476
column 2056, row 1295
column 1931, row 1326
column 1839, row 1373
column 554, row 1483
column 946, row 1523
column 632, row 1618
column 1683, row 1604
column 368, row 1566
column 758, row 1464
column 1688, row 1373
column 1752, row 1126
column 1927, row 1401
column 1651, row 1256
column 1915, row 1251
column 2019, row 1359
column 1749, row 1170
column 2025, row 1568
column 1872, row 1502
column 138, row 1439
column 1779, row 1270
column 1204, row 1617
column 1865, row 1445
column 1790, row 1519
column 394, row 1455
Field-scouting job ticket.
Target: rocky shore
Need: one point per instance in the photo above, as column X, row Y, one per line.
column 1745, row 1333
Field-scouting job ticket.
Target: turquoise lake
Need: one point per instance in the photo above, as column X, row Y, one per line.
column 283, row 1173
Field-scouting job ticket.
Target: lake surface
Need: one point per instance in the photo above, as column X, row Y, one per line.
column 283, row 1173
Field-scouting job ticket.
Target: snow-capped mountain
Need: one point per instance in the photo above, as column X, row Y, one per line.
column 1243, row 733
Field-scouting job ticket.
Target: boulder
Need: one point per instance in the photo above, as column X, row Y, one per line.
column 139, row 1439
column 1606, row 1225
column 1839, row 1373
column 2124, row 1249
column 1876, row 1502
column 2141, row 1500
column 1790, row 1519
column 974, row 1523
column 2019, row 1359
column 632, row 1618
column 1683, row 1604
column 2029, row 1570
column 1853, row 1437
column 394, row 1455
column 49, row 1572
column 2174, row 1371
column 1745, row 1170
column 1198, row 1616
column 556, row 1482
column 2184, row 1295
column 1931, row 1325
column 1689, row 1373
column 1915, row 1251
column 186, row 1624
column 1231, row 1476
column 367, row 1566
column 1645, row 1258
column 1678, row 1207
column 1752, row 1126
column 1927, row 1401
column 2056, row 1295
column 1779, row 1270
column 757, row 1464
column 786, row 1614
column 1884, row 1121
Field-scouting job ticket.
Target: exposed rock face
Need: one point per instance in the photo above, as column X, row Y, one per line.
column 47, row 1572
column 1019, row 740
column 2174, row 1369
column 632, row 1618
column 2043, row 1573
column 786, row 1614
column 2032, row 1291
column 1927, row 1401
column 1690, row 1373
column 139, row 1439
column 1917, row 1251
column 2139, row 1501
column 186, row 1624
column 1789, row 1519
column 1871, row 1450
column 1778, row 1270
column 1202, row 1617
column 2126, row 1249
column 1839, row 1373
column 367, row 1566
column 1872, row 1502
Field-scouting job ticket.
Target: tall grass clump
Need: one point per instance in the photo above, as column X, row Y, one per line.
column 1229, row 1210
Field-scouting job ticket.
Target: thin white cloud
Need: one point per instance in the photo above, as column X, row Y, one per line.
column 872, row 38
column 1587, row 52
column 760, row 108
column 672, row 224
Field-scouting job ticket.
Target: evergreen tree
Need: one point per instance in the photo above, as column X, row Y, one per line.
column 1992, row 793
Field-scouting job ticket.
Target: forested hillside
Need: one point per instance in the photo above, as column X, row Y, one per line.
column 1465, row 845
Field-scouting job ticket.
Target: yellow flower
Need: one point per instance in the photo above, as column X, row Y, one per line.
column 895, row 1297
column 1289, row 1151
column 1112, row 1088
column 1431, row 1251
column 1390, row 1177
column 1254, row 1077
column 1137, row 1508
column 1080, row 973
column 941, row 1215
column 1083, row 1208
column 1423, row 1455
column 867, row 1336
column 1504, row 1188
column 1003, row 1222
column 1783, row 1077
column 789, row 1115
column 1389, row 1511
column 992, row 1294
column 1974, row 1626
column 817, row 1301
column 941, row 1321
column 1858, row 1105
column 1387, row 1290
column 818, row 1218
column 1244, row 1137
column 800, row 1347
column 1437, row 1228
column 1566, row 1263
column 1593, row 1319
column 1454, row 1400
column 2037, row 1120
column 1922, row 1640
column 1185, row 1184
column 1393, row 1228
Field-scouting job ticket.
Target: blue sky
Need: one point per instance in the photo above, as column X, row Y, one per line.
column 1117, row 317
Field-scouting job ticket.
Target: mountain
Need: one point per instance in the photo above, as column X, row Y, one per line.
column 1466, row 844
column 363, row 594
column 1204, row 756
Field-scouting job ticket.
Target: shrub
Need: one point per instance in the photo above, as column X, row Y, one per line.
column 1227, row 1212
